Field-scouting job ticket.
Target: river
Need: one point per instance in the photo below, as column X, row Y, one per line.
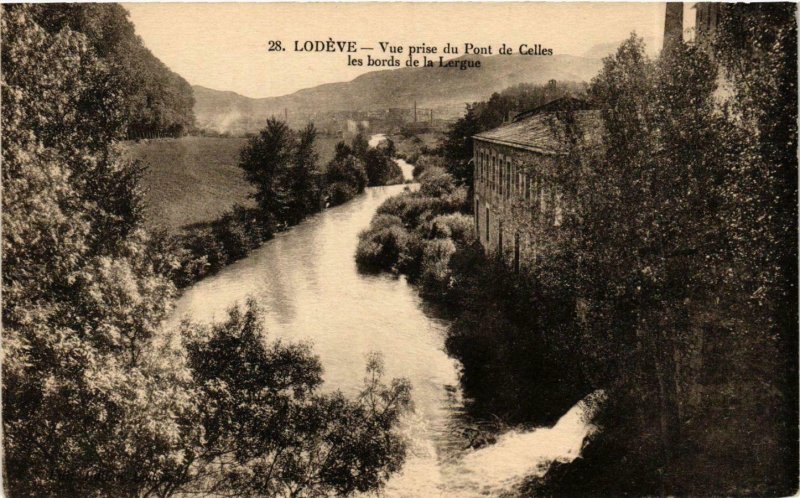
column 308, row 285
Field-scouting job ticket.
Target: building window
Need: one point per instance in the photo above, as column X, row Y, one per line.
column 487, row 225
column 558, row 213
column 500, row 238
column 508, row 178
column 514, row 177
column 477, row 216
column 527, row 186
column 500, row 171
column 516, row 252
column 493, row 173
column 542, row 200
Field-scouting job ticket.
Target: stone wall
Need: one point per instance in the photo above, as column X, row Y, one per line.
column 518, row 206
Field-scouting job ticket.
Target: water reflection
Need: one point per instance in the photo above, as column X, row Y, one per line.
column 310, row 290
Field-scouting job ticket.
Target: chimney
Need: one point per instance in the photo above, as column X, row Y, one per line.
column 673, row 24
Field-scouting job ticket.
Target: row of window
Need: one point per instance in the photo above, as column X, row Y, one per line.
column 503, row 179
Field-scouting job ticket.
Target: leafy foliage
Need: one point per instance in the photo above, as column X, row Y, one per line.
column 414, row 232
column 156, row 101
column 98, row 398
column 345, row 175
column 683, row 228
column 87, row 379
column 268, row 432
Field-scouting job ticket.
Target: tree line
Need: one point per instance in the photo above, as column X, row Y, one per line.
column 99, row 398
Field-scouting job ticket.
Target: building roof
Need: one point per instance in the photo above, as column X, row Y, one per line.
column 542, row 129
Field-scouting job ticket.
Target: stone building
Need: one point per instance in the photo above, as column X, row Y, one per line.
column 518, row 201
column 517, row 168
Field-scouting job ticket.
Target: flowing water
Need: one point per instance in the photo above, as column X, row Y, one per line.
column 310, row 290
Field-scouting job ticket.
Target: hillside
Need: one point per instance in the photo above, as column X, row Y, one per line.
column 444, row 89
column 196, row 179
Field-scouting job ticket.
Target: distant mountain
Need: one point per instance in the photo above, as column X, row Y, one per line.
column 438, row 88
column 605, row 49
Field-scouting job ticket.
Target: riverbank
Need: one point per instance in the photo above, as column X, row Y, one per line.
column 298, row 273
column 519, row 369
column 201, row 207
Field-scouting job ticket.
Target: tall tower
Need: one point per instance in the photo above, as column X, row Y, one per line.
column 673, row 24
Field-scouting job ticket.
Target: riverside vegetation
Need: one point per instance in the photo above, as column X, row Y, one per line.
column 670, row 285
column 98, row 398
column 282, row 165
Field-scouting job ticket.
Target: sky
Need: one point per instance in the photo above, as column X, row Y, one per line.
column 224, row 45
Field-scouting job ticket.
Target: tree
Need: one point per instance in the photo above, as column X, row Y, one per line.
column 345, row 175
column 668, row 215
column 155, row 100
column 305, row 177
column 359, row 145
column 86, row 379
column 267, row 162
column 757, row 48
column 457, row 147
column 268, row 431
column 380, row 167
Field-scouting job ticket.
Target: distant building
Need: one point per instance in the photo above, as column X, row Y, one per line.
column 514, row 166
column 355, row 126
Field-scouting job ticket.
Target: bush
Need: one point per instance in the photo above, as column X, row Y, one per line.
column 380, row 248
column 381, row 168
column 425, row 161
column 435, row 276
column 205, row 248
column 340, row 192
column 384, row 221
column 457, row 226
column 408, row 207
column 410, row 261
column 348, row 169
column 436, row 182
column 411, row 158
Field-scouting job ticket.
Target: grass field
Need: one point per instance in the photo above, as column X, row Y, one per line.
column 196, row 179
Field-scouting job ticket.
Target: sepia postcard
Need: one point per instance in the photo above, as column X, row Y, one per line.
column 399, row 249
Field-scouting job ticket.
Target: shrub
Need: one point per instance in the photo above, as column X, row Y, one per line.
column 233, row 237
column 408, row 207
column 384, row 221
column 348, row 169
column 410, row 261
column 436, row 182
column 425, row 161
column 340, row 192
column 380, row 249
column 457, row 226
column 379, row 167
column 435, row 276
